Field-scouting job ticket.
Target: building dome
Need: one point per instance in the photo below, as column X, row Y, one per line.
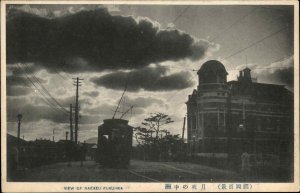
column 212, row 66
column 212, row 71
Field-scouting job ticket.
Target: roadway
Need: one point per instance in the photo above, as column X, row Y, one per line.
column 138, row 171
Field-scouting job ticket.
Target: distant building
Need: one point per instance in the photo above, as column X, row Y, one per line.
column 237, row 116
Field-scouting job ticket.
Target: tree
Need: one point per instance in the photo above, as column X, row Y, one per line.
column 141, row 135
column 155, row 121
column 149, row 141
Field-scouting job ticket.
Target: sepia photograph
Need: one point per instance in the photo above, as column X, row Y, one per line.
column 173, row 96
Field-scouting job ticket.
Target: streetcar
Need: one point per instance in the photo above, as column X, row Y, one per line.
column 114, row 143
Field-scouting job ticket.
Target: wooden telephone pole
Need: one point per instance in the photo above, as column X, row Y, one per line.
column 19, row 128
column 71, row 123
column 77, row 84
column 183, row 128
column 53, row 136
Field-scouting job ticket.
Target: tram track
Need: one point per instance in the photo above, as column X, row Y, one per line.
column 140, row 175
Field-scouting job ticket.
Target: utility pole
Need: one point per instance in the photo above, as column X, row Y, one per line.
column 77, row 84
column 228, row 125
column 19, row 128
column 183, row 128
column 53, row 136
column 244, row 127
column 67, row 135
column 71, row 123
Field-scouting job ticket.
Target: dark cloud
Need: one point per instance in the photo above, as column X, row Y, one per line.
column 100, row 110
column 41, row 111
column 148, row 78
column 95, row 40
column 142, row 102
column 16, row 70
column 92, row 93
column 33, row 112
column 281, row 73
column 19, row 85
column 106, row 111
column 285, row 76
column 16, row 81
column 17, row 91
column 90, row 119
column 20, row 81
column 65, row 102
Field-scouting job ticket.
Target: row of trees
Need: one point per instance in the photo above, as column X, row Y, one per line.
column 155, row 143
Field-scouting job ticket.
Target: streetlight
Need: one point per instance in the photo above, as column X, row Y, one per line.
column 19, row 127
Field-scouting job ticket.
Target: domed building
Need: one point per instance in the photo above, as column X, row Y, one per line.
column 233, row 117
column 212, row 71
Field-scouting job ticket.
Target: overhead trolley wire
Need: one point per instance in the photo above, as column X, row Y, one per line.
column 234, row 23
column 274, row 62
column 57, row 72
column 254, row 43
column 44, row 91
column 66, row 77
column 44, row 98
column 184, row 10
column 47, row 92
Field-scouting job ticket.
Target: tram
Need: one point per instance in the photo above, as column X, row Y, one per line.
column 114, row 143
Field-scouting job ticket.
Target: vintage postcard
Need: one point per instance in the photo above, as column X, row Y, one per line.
column 149, row 96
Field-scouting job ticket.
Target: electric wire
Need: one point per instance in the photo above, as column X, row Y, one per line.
column 234, row 23
column 46, row 91
column 255, row 43
column 183, row 11
column 44, row 98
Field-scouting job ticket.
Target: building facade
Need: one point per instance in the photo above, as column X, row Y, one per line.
column 237, row 116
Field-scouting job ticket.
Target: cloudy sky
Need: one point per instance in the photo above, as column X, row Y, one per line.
column 155, row 48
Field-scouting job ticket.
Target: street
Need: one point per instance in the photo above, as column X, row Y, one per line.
column 138, row 171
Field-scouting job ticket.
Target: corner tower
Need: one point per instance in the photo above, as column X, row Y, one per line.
column 212, row 78
column 212, row 71
column 206, row 107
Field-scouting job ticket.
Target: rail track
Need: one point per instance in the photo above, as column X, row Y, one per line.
column 140, row 175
